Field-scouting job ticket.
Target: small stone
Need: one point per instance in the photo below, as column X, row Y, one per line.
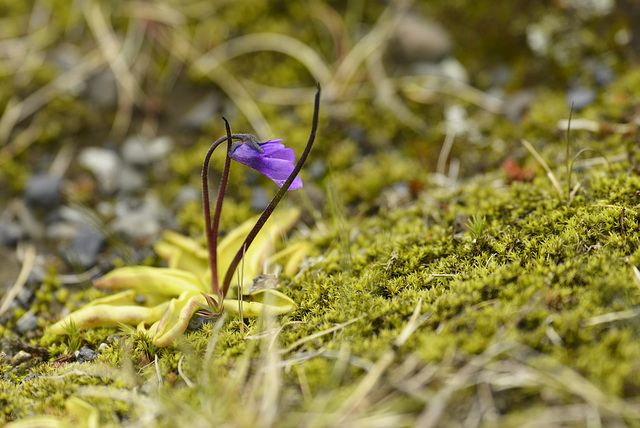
column 196, row 322
column 72, row 215
column 603, row 74
column 418, row 40
column 20, row 358
column 196, row 117
column 187, row 194
column 10, row 233
column 316, row 169
column 138, row 219
column 159, row 148
column 264, row 281
column 27, row 322
column 85, row 355
column 141, row 152
column 105, row 165
column 61, row 230
column 134, row 151
column 102, row 347
column 85, row 247
column 43, row 191
column 30, row 224
column 25, row 296
column 131, row 180
column 516, row 106
column 397, row 195
column 580, row 97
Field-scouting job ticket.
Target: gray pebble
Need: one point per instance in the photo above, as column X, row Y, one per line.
column 10, row 233
column 187, row 194
column 138, row 219
column 581, row 97
column 197, row 116
column 43, row 191
column 159, row 148
column 316, row 169
column 105, row 165
column 417, row 40
column 141, row 152
column 516, row 105
column 85, row 355
column 27, row 322
column 603, row 74
column 134, row 151
column 61, row 231
column 24, row 297
column 131, row 180
column 85, row 247
column 196, row 322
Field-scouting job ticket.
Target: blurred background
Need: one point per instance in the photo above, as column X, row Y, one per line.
column 108, row 107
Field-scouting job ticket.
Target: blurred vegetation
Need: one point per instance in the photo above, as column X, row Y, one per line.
column 404, row 319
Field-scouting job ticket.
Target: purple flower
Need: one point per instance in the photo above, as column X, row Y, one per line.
column 270, row 158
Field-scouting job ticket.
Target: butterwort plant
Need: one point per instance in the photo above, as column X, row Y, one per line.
column 270, row 158
column 162, row 300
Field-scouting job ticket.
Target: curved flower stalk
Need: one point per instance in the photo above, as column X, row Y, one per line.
column 166, row 298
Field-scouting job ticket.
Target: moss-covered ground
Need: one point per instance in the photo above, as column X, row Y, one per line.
column 498, row 296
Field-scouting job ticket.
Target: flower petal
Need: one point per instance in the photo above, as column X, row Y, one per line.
column 275, row 163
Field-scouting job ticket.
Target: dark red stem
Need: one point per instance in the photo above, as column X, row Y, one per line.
column 274, row 202
column 212, row 226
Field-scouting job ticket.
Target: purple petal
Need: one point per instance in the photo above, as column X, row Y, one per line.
column 275, row 163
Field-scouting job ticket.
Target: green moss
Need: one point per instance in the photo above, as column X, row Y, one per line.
column 531, row 286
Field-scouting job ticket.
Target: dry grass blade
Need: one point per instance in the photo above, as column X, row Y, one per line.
column 562, row 415
column 570, row 169
column 544, row 165
column 444, row 152
column 271, row 374
column 243, row 99
column 279, row 96
column 299, row 342
column 27, row 265
column 423, row 89
column 366, row 385
column 158, row 373
column 182, row 375
column 611, row 317
column 551, row 372
column 19, row 110
column 252, row 43
column 636, row 276
column 368, row 45
column 387, row 96
column 432, row 414
column 127, row 84
column 211, row 346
